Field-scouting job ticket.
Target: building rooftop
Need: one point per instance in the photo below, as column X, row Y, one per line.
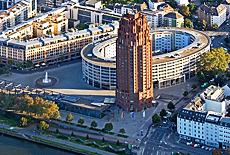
column 174, row 15
column 214, row 10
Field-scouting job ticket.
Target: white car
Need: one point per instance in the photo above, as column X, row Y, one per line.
column 227, row 24
column 189, row 143
column 203, row 147
column 207, row 148
column 211, row 44
column 196, row 145
column 226, row 49
column 221, row 43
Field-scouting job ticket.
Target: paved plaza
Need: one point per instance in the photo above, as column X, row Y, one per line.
column 70, row 82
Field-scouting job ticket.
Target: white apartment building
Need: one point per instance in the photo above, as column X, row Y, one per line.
column 182, row 2
column 220, row 17
column 168, row 41
column 124, row 9
column 155, row 18
column 205, row 120
column 154, row 3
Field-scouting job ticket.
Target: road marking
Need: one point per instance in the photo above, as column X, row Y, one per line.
column 153, row 148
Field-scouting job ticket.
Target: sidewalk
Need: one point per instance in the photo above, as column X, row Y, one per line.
column 22, row 131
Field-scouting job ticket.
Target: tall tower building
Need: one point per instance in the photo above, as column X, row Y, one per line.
column 134, row 90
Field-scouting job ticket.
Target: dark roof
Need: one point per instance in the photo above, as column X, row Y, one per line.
column 157, row 1
column 111, row 7
column 192, row 115
column 118, row 6
column 174, row 15
column 226, row 2
column 214, row 10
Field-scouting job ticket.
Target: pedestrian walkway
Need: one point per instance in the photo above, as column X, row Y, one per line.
column 23, row 131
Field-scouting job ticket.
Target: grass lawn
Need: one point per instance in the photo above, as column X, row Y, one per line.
column 99, row 142
column 64, row 145
column 7, row 121
column 114, row 145
column 124, row 136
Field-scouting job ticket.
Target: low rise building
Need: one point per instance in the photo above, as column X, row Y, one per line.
column 212, row 15
column 205, row 119
column 173, row 19
column 153, row 4
column 165, row 7
column 155, row 18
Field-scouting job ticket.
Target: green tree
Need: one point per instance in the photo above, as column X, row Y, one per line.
column 185, row 94
column 20, row 65
column 87, row 136
column 173, row 4
column 217, row 152
column 1, row 71
column 194, row 86
column 156, row 118
column 72, row 134
column 203, row 24
column 69, row 117
column 228, row 152
column 108, row 127
column 188, row 23
column 216, row 60
column 215, row 26
column 56, row 115
column 57, row 131
column 201, row 77
column 192, row 7
column 7, row 70
column 163, row 113
column 174, row 117
column 62, row 58
column 184, row 10
column 170, row 105
column 29, row 64
column 118, row 143
column 23, row 122
column 10, row 62
column 43, row 125
column 103, row 140
column 81, row 121
column 122, row 130
column 49, row 109
column 93, row 124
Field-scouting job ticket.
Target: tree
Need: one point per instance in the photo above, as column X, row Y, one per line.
column 163, row 113
column 43, row 125
column 215, row 26
column 7, row 70
column 118, row 143
column 217, row 152
column 56, row 115
column 62, row 58
column 57, row 130
column 87, row 136
column 216, row 60
column 72, row 134
column 108, row 127
column 192, row 7
column 201, row 77
column 69, row 117
column 173, row 3
column 10, row 62
column 122, row 130
column 1, row 71
column 93, row 124
column 228, row 152
column 203, row 24
column 194, row 86
column 23, row 122
column 156, row 118
column 184, row 10
column 171, row 105
column 185, row 94
column 49, row 109
column 20, row 65
column 29, row 64
column 188, row 23
column 81, row 121
column 103, row 140
column 174, row 117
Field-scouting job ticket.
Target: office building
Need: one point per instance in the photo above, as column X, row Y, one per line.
column 134, row 86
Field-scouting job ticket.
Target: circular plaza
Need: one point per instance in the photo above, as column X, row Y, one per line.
column 175, row 53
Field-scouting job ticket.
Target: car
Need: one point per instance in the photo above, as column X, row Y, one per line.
column 227, row 24
column 196, row 145
column 221, row 43
column 210, row 149
column 189, row 143
column 192, row 144
column 207, row 148
column 226, row 49
column 211, row 44
column 213, row 38
column 203, row 147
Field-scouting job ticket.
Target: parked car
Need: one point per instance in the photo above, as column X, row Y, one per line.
column 207, row 148
column 226, row 49
column 203, row 147
column 210, row 149
column 196, row 145
column 189, row 143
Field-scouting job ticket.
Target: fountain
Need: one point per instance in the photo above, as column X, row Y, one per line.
column 46, row 79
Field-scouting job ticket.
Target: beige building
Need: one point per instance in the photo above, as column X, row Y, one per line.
column 59, row 23
column 42, row 28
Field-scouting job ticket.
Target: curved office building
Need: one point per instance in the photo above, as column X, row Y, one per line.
column 175, row 53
